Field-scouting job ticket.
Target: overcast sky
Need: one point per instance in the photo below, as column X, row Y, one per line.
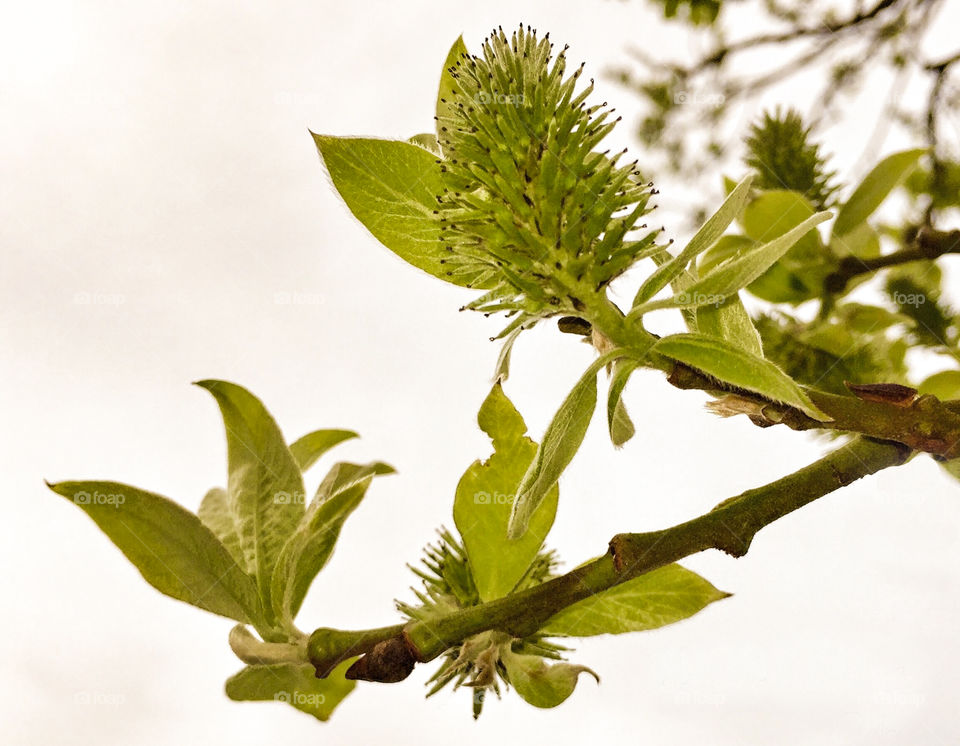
column 160, row 197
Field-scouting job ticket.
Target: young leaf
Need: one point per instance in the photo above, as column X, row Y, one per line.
column 312, row 446
column 306, row 552
column 704, row 238
column 655, row 599
column 730, row 277
column 875, row 187
column 729, row 321
column 944, row 385
column 560, row 443
column 736, row 367
column 445, row 94
column 726, row 248
column 542, row 684
column 265, row 491
column 391, row 187
column 427, row 141
column 799, row 274
column 171, row 548
column 502, row 370
column 484, row 497
column 862, row 242
column 297, row 685
column 216, row 515
column 618, row 421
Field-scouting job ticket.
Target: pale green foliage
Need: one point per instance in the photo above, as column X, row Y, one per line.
column 874, row 188
column 489, row 565
column 294, row 684
column 709, row 233
column 391, row 187
column 736, row 367
column 253, row 550
column 560, row 443
column 485, row 497
column 540, row 683
column 653, row 600
column 171, row 548
column 264, row 496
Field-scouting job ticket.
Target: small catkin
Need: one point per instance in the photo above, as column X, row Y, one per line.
column 530, row 204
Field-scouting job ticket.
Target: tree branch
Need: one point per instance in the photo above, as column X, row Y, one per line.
column 800, row 32
column 882, row 411
column 928, row 244
column 729, row 527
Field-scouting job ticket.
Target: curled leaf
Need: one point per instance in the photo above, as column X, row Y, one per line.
column 540, row 683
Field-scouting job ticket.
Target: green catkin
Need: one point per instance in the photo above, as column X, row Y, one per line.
column 529, row 204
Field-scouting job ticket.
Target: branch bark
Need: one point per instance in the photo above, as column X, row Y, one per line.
column 729, row 527
column 929, row 244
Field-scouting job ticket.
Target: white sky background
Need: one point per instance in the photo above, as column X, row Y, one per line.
column 157, row 154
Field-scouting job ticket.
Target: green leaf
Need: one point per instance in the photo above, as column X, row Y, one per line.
column 875, row 187
column 427, row 141
column 169, row 545
column 265, row 493
column 944, row 385
column 862, row 242
column 312, row 446
column 447, row 83
column 739, row 368
column 862, row 318
column 741, row 271
column 777, row 285
column 391, row 187
column 296, row 685
column 704, row 238
column 216, row 515
column 560, row 443
column 484, row 498
column 800, row 273
column 542, row 684
column 502, row 370
column 726, row 248
column 725, row 280
column 309, row 548
column 952, row 468
column 655, row 599
column 729, row 321
column 618, row 421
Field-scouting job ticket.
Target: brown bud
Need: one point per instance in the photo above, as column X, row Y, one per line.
column 574, row 325
column 884, row 393
column 389, row 661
